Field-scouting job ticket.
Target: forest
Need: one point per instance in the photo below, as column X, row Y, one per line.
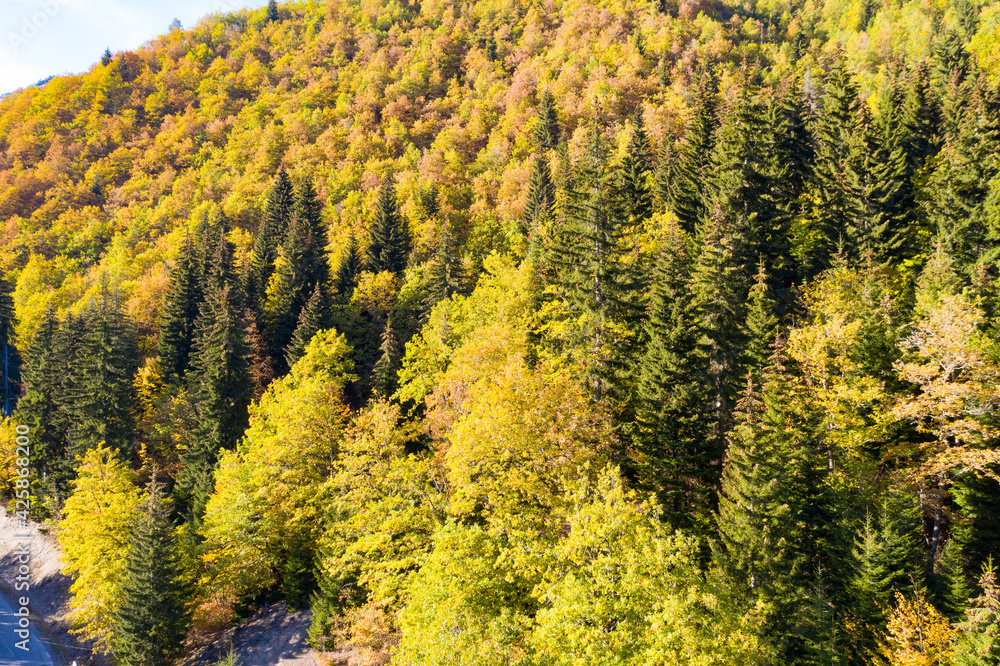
column 561, row 332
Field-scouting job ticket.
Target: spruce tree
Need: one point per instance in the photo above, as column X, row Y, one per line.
column 635, row 175
column 10, row 357
column 790, row 154
column 688, row 196
column 384, row 372
column 672, row 414
column 101, row 403
column 151, row 618
column 272, row 11
column 106, row 57
column 297, row 579
column 444, row 275
column 220, row 387
column 389, row 234
column 761, row 325
column 540, row 205
column 347, row 272
column 179, row 314
column 314, row 318
column 270, row 233
column 547, row 133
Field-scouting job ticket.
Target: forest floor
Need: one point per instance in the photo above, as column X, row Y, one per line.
column 49, row 591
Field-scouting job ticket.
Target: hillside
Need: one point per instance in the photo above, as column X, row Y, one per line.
column 536, row 333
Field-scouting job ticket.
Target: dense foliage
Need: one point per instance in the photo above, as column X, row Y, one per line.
column 564, row 333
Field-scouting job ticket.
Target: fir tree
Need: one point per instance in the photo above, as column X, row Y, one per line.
column 951, row 59
column 673, row 420
column 384, row 372
column 688, row 197
column 219, row 382
column 791, row 153
column 297, row 580
column 762, row 325
column 101, row 402
column 547, row 133
column 179, row 314
column 272, row 12
column 270, row 233
column 389, row 235
column 348, row 270
column 540, row 206
column 152, row 617
column 635, row 175
column 314, row 318
column 106, row 57
column 10, row 361
column 444, row 275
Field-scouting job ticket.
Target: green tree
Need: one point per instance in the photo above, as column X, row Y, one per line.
column 445, row 274
column 272, row 11
column 688, row 196
column 152, row 616
column 389, row 234
column 180, row 313
column 315, row 317
column 635, row 174
column 271, row 231
column 547, row 132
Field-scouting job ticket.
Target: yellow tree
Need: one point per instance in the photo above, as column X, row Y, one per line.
column 918, row 635
column 956, row 386
column 94, row 536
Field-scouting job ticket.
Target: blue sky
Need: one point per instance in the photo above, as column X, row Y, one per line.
column 39, row 38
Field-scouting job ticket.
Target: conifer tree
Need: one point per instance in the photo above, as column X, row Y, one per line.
column 152, row 617
column 389, row 235
column 951, row 59
column 314, row 318
column 920, row 124
column 10, row 357
column 790, row 154
column 688, row 198
column 384, row 372
column 101, row 402
column 672, row 415
column 347, row 272
column 297, row 580
column 270, row 234
column 666, row 165
column 547, row 133
column 444, row 276
column 106, row 57
column 954, row 590
column 635, row 174
column 308, row 210
column 540, row 206
column 762, row 325
column 272, row 11
column 179, row 314
column 220, row 387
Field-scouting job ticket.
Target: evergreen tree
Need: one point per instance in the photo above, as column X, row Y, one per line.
column 540, row 206
column 10, row 362
column 297, row 580
column 106, row 57
column 688, row 198
column 673, row 420
column 179, row 314
column 348, row 270
column 220, row 386
column 389, row 235
column 101, row 402
column 152, row 617
column 790, row 155
column 547, row 133
column 954, row 591
column 951, row 59
column 270, row 233
column 307, row 209
column 762, row 325
column 920, row 124
column 272, row 11
column 666, row 165
column 444, row 275
column 314, row 318
column 635, row 175
column 384, row 372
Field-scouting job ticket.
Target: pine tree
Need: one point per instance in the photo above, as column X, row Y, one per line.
column 635, row 175
column 106, row 57
column 791, row 153
column 384, row 372
column 672, row 415
column 762, row 325
column 445, row 275
column 348, row 270
column 540, row 205
column 314, row 318
column 220, row 386
column 954, row 590
column 179, row 314
column 152, row 617
column 921, row 120
column 10, row 361
column 272, row 12
column 297, row 580
column 270, row 234
column 101, row 402
column 547, row 133
column 688, row 197
column 389, row 235
column 307, row 209
column 951, row 59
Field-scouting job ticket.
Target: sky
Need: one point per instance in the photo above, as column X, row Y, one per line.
column 42, row 38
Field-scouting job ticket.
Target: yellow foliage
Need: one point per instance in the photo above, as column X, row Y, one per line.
column 918, row 635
